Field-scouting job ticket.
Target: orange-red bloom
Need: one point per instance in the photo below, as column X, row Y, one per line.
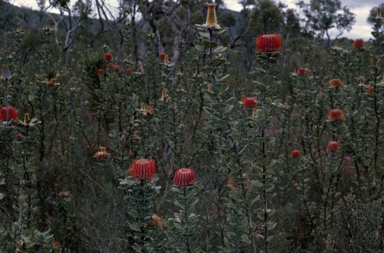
column 116, row 68
column 100, row 71
column 336, row 83
column 335, row 114
column 295, row 153
column 248, row 102
column 108, row 57
column 370, row 90
column 12, row 113
column 162, row 56
column 101, row 153
column 184, row 177
column 358, row 44
column 269, row 43
column 301, row 71
column 143, row 169
column 333, row 146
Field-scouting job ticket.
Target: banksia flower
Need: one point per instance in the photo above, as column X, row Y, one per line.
column 157, row 221
column 166, row 60
column 358, row 44
column 6, row 74
column 370, row 90
column 335, row 114
column 100, row 71
column 108, row 57
column 143, row 169
column 12, row 113
column 333, row 146
column 162, row 56
column 101, row 153
column 18, row 27
column 301, row 71
column 164, row 96
column 116, row 68
column 27, row 120
column 378, row 15
column 248, row 102
column 336, row 83
column 184, row 177
column 295, row 153
column 211, row 16
column 269, row 43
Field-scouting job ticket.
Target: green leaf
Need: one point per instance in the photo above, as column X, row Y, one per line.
column 204, row 35
column 245, row 239
column 223, row 78
column 210, row 44
column 271, row 225
column 216, row 62
column 219, row 49
column 200, row 48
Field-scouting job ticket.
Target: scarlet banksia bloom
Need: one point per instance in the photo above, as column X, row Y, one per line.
column 295, row 153
column 184, row 177
column 162, row 56
column 108, row 57
column 100, row 71
column 12, row 113
column 358, row 44
column 370, row 90
column 211, row 15
column 269, row 43
column 143, row 169
column 248, row 102
column 336, row 83
column 301, row 71
column 335, row 114
column 333, row 146
column 101, row 153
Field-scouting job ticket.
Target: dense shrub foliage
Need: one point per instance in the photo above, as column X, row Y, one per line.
column 103, row 150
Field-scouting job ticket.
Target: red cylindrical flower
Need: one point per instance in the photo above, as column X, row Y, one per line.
column 295, row 153
column 184, row 177
column 335, row 114
column 370, row 90
column 269, row 43
column 129, row 71
column 249, row 102
column 162, row 56
column 108, row 57
column 12, row 113
column 100, row 71
column 143, row 169
column 333, row 146
column 116, row 68
column 301, row 71
column 358, row 44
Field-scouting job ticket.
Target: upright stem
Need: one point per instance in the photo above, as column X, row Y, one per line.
column 6, row 103
column 186, row 220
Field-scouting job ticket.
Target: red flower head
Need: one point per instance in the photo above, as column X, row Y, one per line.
column 269, row 43
column 301, row 71
column 12, row 113
column 108, row 57
column 336, row 83
column 143, row 169
column 184, row 177
column 116, row 68
column 335, row 114
column 100, row 71
column 295, row 153
column 162, row 56
column 358, row 44
column 248, row 102
column 370, row 90
column 129, row 71
column 333, row 146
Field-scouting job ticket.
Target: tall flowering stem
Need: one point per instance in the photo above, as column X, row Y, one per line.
column 141, row 189
column 185, row 221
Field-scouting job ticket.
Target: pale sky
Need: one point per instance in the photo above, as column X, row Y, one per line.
column 360, row 7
